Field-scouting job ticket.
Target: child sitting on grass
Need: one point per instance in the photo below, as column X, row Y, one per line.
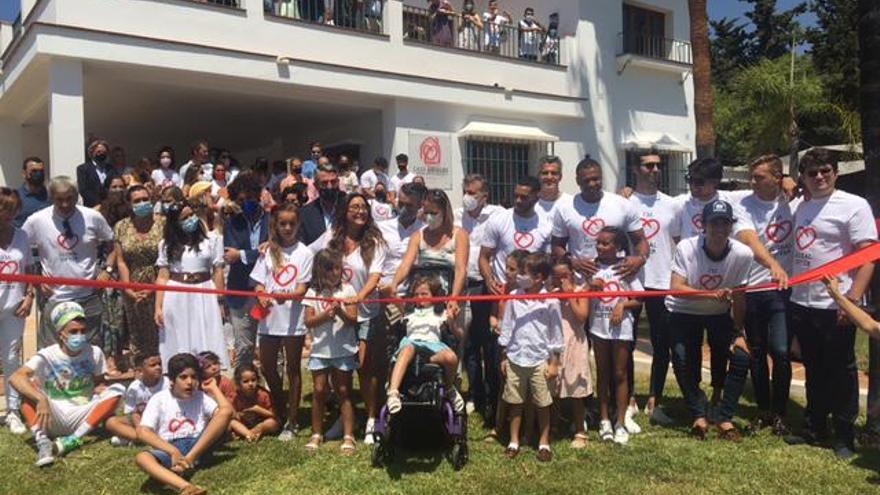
column 254, row 416
column 149, row 382
column 210, row 363
column 424, row 327
column 181, row 424
column 531, row 341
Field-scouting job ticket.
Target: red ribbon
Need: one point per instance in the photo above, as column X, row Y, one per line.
column 868, row 254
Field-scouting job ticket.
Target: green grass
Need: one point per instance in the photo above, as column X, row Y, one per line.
column 659, row 461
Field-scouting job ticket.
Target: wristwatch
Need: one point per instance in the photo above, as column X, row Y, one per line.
column 109, row 269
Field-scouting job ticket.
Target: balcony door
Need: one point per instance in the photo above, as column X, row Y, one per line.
column 644, row 31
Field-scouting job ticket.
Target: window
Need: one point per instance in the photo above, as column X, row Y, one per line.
column 502, row 163
column 644, row 32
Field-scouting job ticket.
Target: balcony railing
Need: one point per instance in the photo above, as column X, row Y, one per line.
column 358, row 15
column 656, row 47
column 454, row 30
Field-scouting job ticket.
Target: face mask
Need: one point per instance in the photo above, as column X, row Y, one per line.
column 142, row 209
column 37, row 178
column 433, row 220
column 524, row 281
column 100, row 158
column 251, row 207
column 381, row 195
column 297, row 171
column 77, row 341
column 190, row 225
column 220, row 175
column 165, row 162
column 330, row 195
column 470, row 202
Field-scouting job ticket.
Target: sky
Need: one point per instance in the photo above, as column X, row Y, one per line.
column 9, row 9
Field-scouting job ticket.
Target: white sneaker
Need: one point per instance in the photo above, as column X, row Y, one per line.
column 632, row 409
column 606, row 434
column 13, row 421
column 288, row 433
column 335, row 431
column 470, row 407
column 368, row 431
column 621, row 436
column 630, row 423
column 119, row 442
column 44, row 452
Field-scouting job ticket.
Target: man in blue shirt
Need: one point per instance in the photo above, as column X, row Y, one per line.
column 310, row 167
column 33, row 193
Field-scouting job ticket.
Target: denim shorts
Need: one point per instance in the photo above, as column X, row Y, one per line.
column 369, row 329
column 184, row 445
column 344, row 363
column 418, row 345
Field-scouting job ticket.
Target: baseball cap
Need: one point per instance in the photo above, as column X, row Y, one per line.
column 718, row 209
column 64, row 313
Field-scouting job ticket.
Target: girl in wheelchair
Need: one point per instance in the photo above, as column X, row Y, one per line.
column 424, row 327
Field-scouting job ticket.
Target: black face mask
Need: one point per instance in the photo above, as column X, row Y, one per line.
column 100, row 158
column 37, row 178
column 329, row 195
column 381, row 195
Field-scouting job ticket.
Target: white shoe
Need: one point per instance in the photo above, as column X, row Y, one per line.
column 631, row 425
column 632, row 409
column 457, row 400
column 621, row 436
column 368, row 431
column 119, row 442
column 606, row 434
column 45, row 455
column 335, row 431
column 288, row 433
column 470, row 407
column 13, row 421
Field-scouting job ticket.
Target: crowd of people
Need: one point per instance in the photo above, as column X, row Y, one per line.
column 315, row 245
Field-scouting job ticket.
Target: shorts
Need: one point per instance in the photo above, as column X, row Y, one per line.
column 344, row 363
column 421, row 345
column 67, row 416
column 524, row 382
column 184, row 445
column 366, row 329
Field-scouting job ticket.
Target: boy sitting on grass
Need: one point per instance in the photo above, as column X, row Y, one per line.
column 148, row 383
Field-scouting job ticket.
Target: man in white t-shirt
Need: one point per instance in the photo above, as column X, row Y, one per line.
column 481, row 356
column 404, row 176
column 658, row 214
column 62, row 390
column 72, row 241
column 714, row 264
column 377, row 174
column 769, row 212
column 578, row 221
column 494, row 23
column 830, row 225
column 396, row 233
column 200, row 156
column 518, row 228
column 550, row 175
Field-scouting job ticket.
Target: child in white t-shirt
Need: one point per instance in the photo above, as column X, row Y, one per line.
column 611, row 330
column 335, row 344
column 149, row 382
column 424, row 328
column 181, row 424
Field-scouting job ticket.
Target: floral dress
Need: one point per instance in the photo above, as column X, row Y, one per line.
column 140, row 252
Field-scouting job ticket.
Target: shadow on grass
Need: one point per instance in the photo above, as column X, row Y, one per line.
column 407, row 461
column 221, row 454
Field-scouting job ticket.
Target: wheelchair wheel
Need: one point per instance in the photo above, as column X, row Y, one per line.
column 458, row 455
column 382, row 454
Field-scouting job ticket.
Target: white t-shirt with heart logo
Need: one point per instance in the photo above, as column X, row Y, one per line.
column 172, row 418
column 690, row 215
column 14, row 260
column 332, row 339
column 774, row 223
column 601, row 308
column 580, row 222
column 356, row 273
column 506, row 232
column 659, row 214
column 285, row 316
column 68, row 256
column 381, row 211
column 692, row 263
column 828, row 229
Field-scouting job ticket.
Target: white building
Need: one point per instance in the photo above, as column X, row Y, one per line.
column 146, row 73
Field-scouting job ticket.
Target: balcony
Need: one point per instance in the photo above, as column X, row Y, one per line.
column 653, row 52
column 363, row 16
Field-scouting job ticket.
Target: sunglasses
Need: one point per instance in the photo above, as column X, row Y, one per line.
column 651, row 166
column 825, row 171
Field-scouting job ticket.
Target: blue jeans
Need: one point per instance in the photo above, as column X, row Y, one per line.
column 184, row 445
column 767, row 332
column 481, row 355
column 687, row 357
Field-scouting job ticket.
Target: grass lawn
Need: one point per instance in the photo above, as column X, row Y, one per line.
column 659, row 461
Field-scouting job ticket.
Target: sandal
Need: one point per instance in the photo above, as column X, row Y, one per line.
column 580, row 441
column 698, row 432
column 193, row 490
column 315, row 442
column 347, row 447
column 730, row 434
column 393, row 403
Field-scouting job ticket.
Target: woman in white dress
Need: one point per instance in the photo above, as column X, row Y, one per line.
column 189, row 256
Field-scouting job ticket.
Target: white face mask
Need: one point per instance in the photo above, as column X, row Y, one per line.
column 470, row 202
column 433, row 220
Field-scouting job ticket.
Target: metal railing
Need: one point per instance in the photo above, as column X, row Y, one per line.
column 655, row 47
column 225, row 3
column 358, row 15
column 500, row 37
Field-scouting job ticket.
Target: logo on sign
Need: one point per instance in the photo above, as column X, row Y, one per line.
column 805, row 237
column 710, row 282
column 286, row 275
column 593, row 226
column 430, row 151
column 778, row 232
column 651, row 226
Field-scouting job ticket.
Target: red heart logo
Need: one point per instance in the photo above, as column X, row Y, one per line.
column 523, row 240
column 610, row 286
column 176, row 424
column 286, row 275
column 697, row 221
column 710, row 282
column 8, row 267
column 347, row 274
column 323, row 305
column 68, row 243
column 805, row 237
column 651, row 226
column 593, row 226
column 778, row 232
column 381, row 211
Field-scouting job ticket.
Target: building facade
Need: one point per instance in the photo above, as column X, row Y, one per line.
column 266, row 77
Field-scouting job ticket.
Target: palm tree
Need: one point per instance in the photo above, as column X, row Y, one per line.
column 704, row 98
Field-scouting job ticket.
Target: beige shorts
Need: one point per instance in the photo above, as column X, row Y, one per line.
column 522, row 383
